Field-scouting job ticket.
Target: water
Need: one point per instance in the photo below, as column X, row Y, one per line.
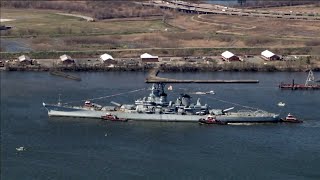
column 223, row 2
column 77, row 148
column 14, row 45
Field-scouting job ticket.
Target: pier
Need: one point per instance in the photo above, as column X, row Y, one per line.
column 68, row 76
column 153, row 78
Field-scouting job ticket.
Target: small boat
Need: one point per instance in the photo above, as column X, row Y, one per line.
column 210, row 92
column 291, row 119
column 111, row 117
column 21, row 148
column 201, row 93
column 281, row 104
column 211, row 120
column 170, row 88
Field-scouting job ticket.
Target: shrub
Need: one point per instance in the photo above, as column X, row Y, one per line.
column 252, row 41
column 313, row 43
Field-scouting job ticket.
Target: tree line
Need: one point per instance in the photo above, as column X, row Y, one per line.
column 96, row 9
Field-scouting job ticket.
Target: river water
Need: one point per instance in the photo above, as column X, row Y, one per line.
column 223, row 2
column 77, row 148
column 14, row 45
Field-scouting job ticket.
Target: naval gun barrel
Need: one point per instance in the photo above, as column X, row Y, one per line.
column 115, row 103
column 228, row 109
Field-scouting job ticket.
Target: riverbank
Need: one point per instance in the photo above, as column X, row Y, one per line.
column 170, row 60
column 184, row 42
column 163, row 52
column 175, row 67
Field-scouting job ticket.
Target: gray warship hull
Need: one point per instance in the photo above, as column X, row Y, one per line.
column 236, row 117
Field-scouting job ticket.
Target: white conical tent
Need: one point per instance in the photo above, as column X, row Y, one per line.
column 267, row 53
column 106, row 57
column 146, row 56
column 227, row 54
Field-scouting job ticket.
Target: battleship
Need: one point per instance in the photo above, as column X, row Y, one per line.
column 156, row 107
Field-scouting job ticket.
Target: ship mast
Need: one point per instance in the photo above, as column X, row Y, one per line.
column 310, row 78
column 59, row 100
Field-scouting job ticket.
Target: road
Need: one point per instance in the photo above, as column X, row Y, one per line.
column 217, row 9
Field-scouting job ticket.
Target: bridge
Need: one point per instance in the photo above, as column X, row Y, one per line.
column 187, row 7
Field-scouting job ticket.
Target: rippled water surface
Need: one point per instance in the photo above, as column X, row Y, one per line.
column 77, row 148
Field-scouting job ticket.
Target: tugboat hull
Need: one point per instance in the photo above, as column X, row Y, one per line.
column 204, row 121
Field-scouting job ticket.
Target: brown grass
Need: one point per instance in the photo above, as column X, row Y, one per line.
column 258, row 41
column 314, row 8
column 97, row 9
column 315, row 42
column 70, row 33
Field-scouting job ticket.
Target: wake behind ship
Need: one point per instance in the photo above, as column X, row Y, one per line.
column 156, row 107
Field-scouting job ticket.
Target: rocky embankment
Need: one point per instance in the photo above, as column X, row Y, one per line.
column 173, row 67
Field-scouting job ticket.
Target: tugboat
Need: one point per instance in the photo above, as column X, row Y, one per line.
column 211, row 120
column 21, row 148
column 111, row 117
column 291, row 119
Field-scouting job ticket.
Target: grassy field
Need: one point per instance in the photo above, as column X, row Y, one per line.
column 44, row 30
column 46, row 22
column 249, row 31
column 301, row 8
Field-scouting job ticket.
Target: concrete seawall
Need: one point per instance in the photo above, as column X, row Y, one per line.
column 153, row 78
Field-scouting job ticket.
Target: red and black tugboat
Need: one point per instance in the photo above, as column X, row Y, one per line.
column 111, row 117
column 291, row 119
column 211, row 120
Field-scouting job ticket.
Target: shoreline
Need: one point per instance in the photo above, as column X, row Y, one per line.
column 164, row 52
column 148, row 67
column 178, row 60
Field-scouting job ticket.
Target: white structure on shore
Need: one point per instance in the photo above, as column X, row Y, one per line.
column 229, row 56
column 107, row 60
column 106, row 57
column 65, row 59
column 268, row 55
column 149, row 58
column 24, row 59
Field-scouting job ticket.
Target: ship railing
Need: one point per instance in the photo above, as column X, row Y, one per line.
column 255, row 113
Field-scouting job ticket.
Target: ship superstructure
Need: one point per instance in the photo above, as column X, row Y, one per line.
column 157, row 103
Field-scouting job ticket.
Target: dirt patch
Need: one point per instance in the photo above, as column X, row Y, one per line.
column 297, row 9
column 6, row 20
